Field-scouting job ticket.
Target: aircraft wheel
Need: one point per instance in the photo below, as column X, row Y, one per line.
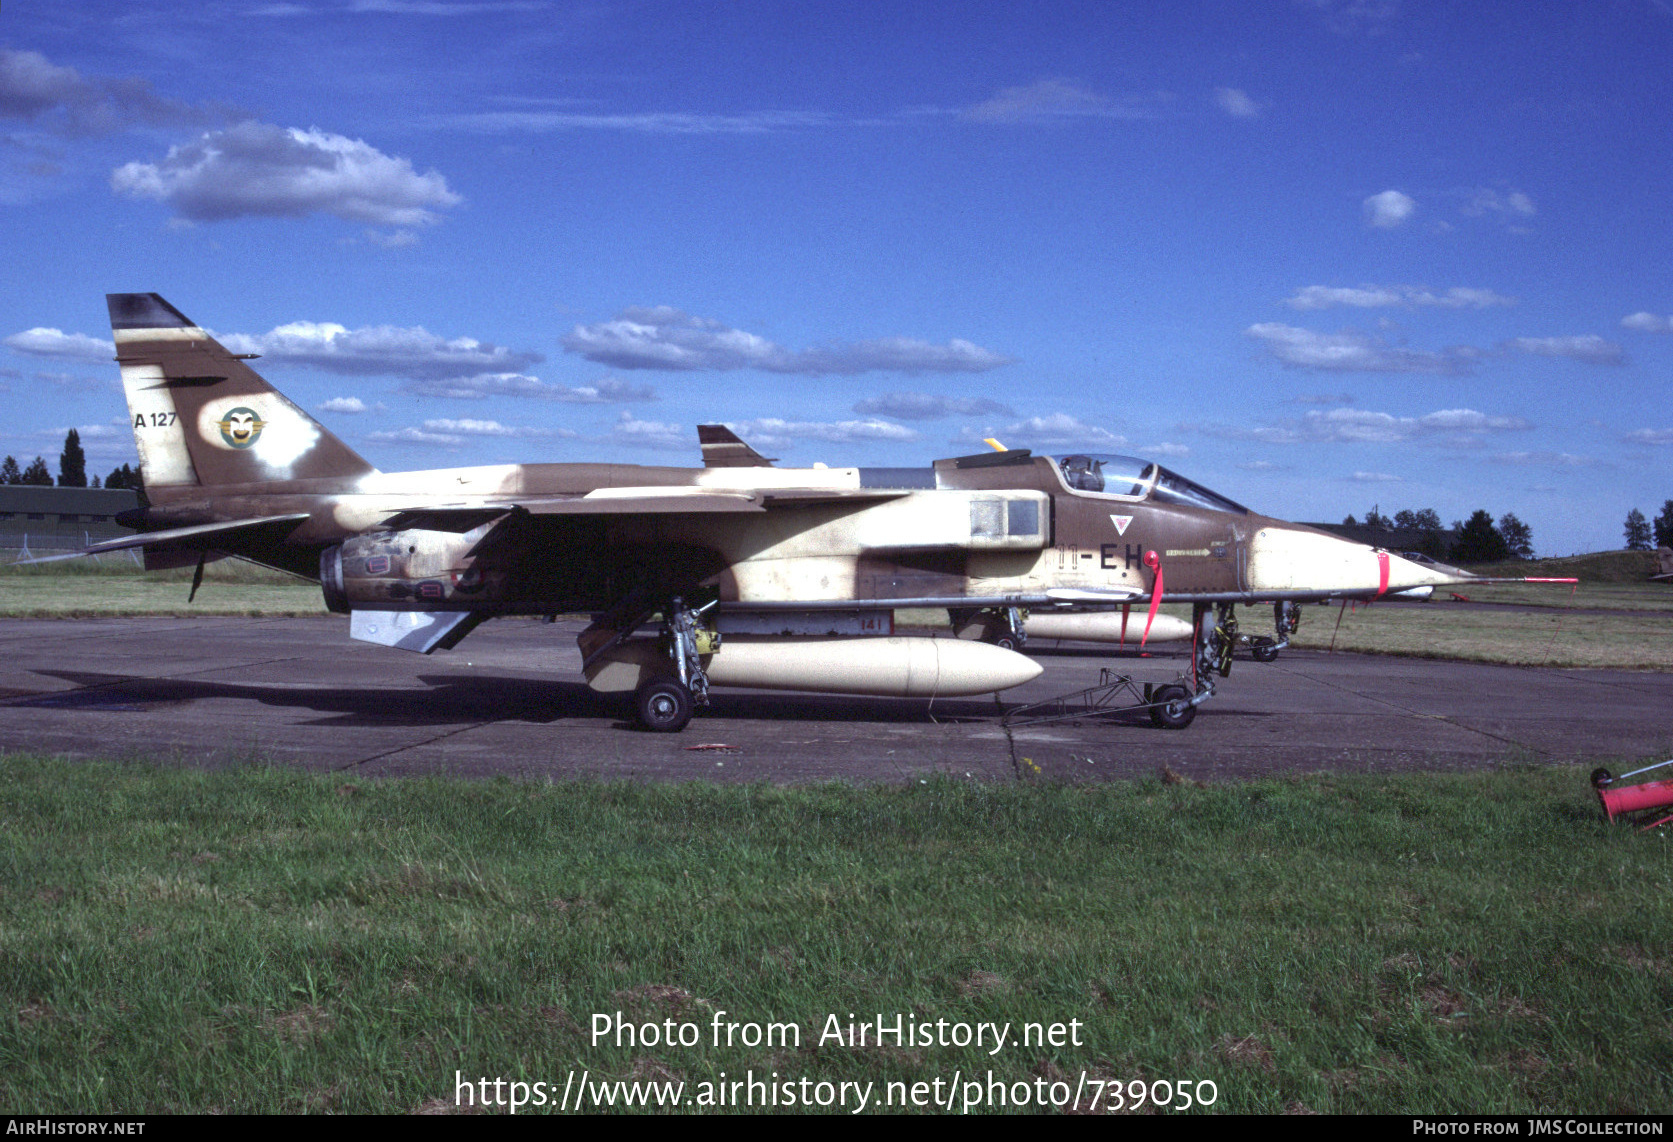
column 663, row 706
column 1174, row 710
column 1264, row 653
column 1005, row 642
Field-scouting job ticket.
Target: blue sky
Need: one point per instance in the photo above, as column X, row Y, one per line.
column 1317, row 254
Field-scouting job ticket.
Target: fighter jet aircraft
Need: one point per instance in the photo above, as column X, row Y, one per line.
column 753, row 575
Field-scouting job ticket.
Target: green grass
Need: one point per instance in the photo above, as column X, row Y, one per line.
column 1609, row 580
column 1556, row 638
column 115, row 585
column 258, row 940
column 1596, row 567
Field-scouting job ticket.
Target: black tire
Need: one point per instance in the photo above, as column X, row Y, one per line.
column 663, row 706
column 1173, row 709
column 1264, row 653
column 1005, row 642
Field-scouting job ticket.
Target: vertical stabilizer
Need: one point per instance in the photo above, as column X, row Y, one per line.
column 723, row 448
column 201, row 416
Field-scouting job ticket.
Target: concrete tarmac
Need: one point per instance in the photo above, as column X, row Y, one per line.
column 510, row 701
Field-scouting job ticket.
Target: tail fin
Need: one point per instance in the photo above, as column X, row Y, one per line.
column 723, row 448
column 202, row 416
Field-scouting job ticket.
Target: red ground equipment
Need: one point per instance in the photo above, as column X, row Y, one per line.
column 1643, row 798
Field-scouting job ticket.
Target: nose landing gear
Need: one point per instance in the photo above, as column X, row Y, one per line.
column 1286, row 620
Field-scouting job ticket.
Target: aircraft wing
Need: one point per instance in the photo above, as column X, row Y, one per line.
column 808, row 497
column 655, row 500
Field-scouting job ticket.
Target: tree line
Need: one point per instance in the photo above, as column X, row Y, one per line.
column 1475, row 540
column 72, row 470
column 1638, row 529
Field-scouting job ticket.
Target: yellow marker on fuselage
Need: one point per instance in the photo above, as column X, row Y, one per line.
column 995, row 445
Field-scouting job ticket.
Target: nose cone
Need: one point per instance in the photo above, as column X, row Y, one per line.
column 1291, row 559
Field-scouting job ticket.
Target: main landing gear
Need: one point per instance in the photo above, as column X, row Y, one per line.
column 1004, row 627
column 665, row 704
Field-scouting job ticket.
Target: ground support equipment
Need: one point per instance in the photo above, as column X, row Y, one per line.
column 1171, row 705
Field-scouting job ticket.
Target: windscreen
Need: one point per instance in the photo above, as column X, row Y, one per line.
column 1130, row 476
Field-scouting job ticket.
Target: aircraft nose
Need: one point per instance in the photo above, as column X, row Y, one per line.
column 1290, row 559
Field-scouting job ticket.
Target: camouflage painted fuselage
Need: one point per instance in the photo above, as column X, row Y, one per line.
column 233, row 467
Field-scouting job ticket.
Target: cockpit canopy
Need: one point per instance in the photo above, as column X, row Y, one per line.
column 1133, row 478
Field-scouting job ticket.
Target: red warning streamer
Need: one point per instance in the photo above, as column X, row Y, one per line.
column 1154, row 562
column 1382, row 575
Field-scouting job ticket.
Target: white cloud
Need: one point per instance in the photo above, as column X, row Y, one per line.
column 610, row 390
column 929, row 406
column 1647, row 323
column 1514, row 204
column 1046, row 100
column 1469, row 420
column 771, row 432
column 1352, row 352
column 378, row 350
column 1374, row 296
column 343, row 404
column 397, row 240
column 40, row 342
column 636, row 433
column 1262, row 466
column 262, row 170
column 445, row 7
column 488, row 428
column 666, row 338
column 1350, row 17
column 35, row 90
column 77, row 382
column 404, row 8
column 418, row 437
column 1322, row 399
column 1374, row 478
column 31, row 85
column 1655, row 436
column 1236, row 103
column 1165, row 450
column 99, row 441
column 1542, row 459
column 647, row 123
column 1590, row 348
column 1059, row 430
column 1457, row 427
column 1388, row 209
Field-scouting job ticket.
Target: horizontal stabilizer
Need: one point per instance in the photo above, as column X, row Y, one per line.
column 723, row 448
column 204, row 536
